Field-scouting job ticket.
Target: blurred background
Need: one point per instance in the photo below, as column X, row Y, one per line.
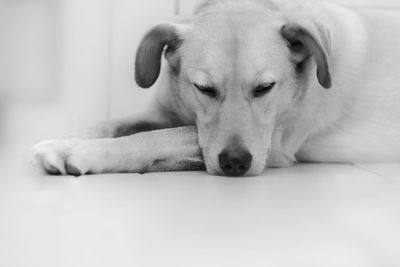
column 65, row 64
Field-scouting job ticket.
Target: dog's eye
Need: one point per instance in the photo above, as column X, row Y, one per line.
column 263, row 89
column 207, row 90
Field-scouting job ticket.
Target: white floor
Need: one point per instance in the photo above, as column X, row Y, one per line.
column 309, row 215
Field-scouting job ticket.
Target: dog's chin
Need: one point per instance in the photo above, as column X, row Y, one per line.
column 257, row 168
column 211, row 168
column 214, row 172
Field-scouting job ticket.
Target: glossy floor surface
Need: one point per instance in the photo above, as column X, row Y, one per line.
column 309, row 215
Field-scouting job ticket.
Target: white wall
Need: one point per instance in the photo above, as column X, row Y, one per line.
column 30, row 44
column 57, row 66
column 70, row 63
column 130, row 21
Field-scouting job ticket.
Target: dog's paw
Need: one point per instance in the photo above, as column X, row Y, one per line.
column 63, row 157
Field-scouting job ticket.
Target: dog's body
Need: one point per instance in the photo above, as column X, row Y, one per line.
column 290, row 117
column 367, row 89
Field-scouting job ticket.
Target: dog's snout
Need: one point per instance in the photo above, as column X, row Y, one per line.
column 235, row 162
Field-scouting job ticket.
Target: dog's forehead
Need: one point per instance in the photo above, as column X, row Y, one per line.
column 234, row 41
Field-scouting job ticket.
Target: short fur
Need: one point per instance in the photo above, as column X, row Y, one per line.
column 232, row 47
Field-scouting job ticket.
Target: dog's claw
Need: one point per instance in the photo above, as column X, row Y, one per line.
column 52, row 170
column 62, row 157
column 72, row 170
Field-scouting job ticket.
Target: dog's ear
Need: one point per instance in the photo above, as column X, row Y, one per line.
column 163, row 37
column 305, row 44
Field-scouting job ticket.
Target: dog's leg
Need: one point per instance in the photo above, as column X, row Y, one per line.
column 120, row 127
column 174, row 149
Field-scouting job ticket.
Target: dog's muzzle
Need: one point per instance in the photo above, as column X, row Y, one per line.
column 235, row 161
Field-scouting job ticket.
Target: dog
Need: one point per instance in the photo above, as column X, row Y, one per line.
column 251, row 84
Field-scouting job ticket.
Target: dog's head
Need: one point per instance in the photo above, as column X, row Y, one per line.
column 239, row 67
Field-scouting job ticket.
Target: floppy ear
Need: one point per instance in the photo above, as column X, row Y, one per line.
column 149, row 53
column 304, row 44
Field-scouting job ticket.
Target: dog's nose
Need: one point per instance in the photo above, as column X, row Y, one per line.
column 235, row 162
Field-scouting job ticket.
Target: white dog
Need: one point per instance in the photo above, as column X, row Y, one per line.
column 245, row 87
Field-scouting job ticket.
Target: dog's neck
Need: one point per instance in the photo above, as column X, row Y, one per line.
column 321, row 109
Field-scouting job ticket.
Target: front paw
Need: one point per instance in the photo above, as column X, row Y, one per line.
column 62, row 157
